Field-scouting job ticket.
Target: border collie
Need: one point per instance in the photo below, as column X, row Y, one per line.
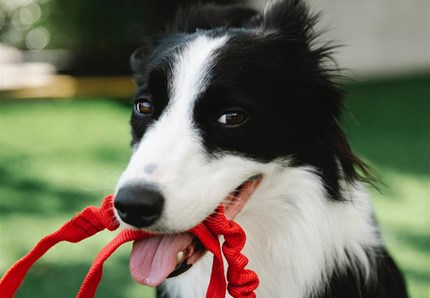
column 239, row 108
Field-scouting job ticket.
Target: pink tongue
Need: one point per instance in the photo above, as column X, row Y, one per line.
column 153, row 259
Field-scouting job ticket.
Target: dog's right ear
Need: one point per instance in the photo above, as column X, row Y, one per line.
column 139, row 60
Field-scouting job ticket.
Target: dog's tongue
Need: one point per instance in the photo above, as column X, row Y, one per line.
column 153, row 259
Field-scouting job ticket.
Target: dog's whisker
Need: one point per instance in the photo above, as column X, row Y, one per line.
column 232, row 196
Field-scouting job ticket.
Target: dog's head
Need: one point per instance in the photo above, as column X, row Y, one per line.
column 223, row 102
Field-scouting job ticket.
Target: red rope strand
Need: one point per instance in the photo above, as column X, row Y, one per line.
column 241, row 282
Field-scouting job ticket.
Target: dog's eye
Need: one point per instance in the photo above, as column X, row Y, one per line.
column 143, row 106
column 232, row 118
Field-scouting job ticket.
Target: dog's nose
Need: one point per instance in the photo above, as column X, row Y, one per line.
column 139, row 205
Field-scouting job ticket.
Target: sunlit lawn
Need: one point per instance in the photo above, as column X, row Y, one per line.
column 57, row 157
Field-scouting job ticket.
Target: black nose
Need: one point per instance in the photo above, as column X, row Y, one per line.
column 139, row 205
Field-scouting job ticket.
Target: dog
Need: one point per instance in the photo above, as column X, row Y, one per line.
column 241, row 108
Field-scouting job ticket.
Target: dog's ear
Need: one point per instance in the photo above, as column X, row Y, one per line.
column 211, row 16
column 290, row 19
column 139, row 60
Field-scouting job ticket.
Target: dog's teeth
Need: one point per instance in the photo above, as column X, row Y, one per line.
column 180, row 257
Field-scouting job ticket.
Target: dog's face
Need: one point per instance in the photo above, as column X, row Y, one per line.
column 189, row 141
column 217, row 108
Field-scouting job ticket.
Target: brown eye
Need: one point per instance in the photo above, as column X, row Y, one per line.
column 144, row 106
column 232, row 118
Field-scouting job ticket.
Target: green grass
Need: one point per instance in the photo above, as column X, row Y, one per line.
column 389, row 127
column 56, row 157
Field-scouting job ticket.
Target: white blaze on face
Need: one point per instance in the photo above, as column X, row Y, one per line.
column 171, row 153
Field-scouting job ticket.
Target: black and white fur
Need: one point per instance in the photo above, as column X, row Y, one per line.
column 310, row 227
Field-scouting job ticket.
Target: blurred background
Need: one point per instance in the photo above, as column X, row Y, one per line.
column 65, row 88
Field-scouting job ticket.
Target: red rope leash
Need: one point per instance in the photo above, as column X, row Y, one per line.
column 241, row 282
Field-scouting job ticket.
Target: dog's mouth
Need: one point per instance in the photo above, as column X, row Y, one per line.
column 154, row 259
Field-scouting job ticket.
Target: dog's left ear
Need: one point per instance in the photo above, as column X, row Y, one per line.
column 139, row 60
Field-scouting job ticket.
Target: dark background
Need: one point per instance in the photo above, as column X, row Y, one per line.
column 100, row 34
